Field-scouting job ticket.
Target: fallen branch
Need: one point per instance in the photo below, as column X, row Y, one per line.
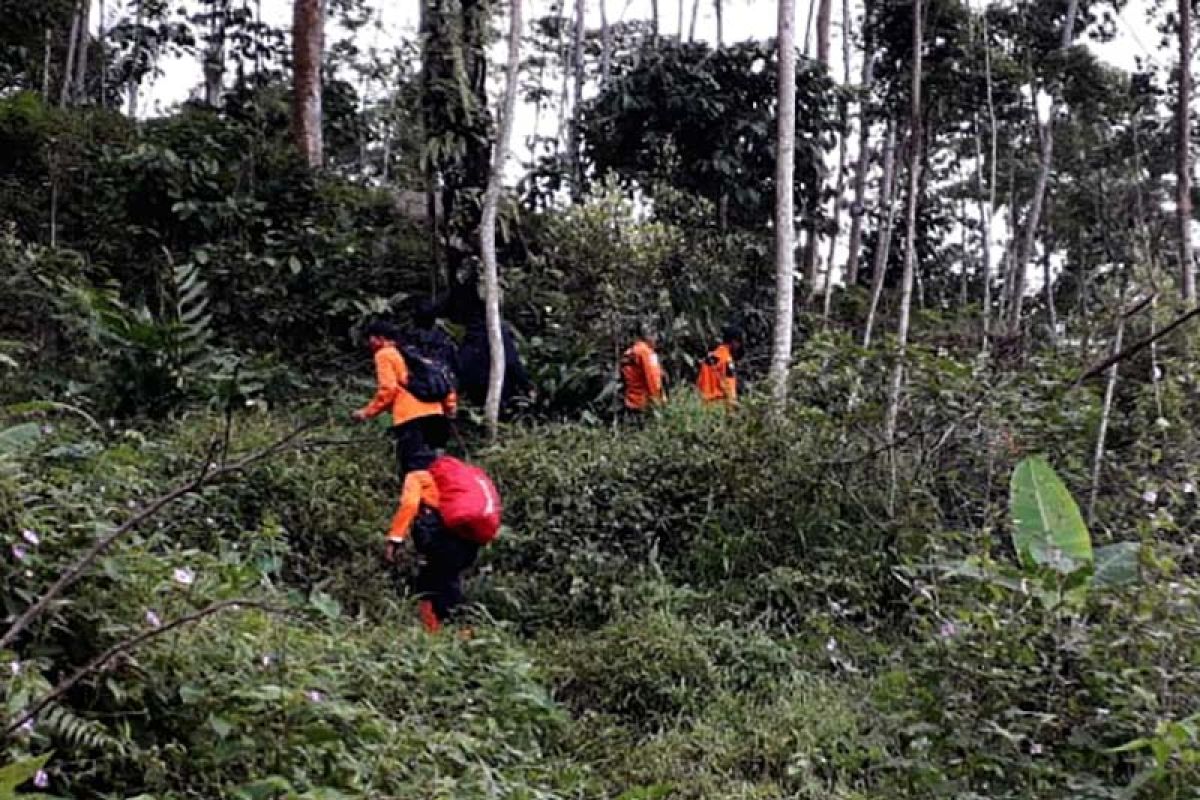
column 206, row 475
column 100, row 661
column 1137, row 347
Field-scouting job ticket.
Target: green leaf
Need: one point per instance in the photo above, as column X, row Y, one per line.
column 322, row 602
column 18, row 437
column 1048, row 529
column 1117, row 564
column 13, row 775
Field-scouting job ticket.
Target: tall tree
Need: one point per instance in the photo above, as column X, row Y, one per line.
column 573, row 162
column 887, row 205
column 1183, row 161
column 308, row 35
column 785, row 232
column 214, row 53
column 843, row 144
column 858, row 208
column 910, row 235
column 720, row 12
column 487, row 223
column 81, row 56
column 606, row 44
column 824, row 21
column 1024, row 251
column 69, row 68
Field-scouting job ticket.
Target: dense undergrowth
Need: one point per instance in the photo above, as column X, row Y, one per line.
column 741, row 605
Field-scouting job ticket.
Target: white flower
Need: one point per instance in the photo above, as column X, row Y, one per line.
column 1162, row 423
column 47, row 430
column 315, row 696
column 831, row 645
column 27, row 726
column 210, row 521
column 948, row 630
column 1150, row 496
column 14, row 667
column 41, row 780
column 1157, row 373
column 1188, row 487
column 267, row 660
column 30, row 537
column 153, row 620
column 1035, row 749
column 18, row 552
column 184, row 576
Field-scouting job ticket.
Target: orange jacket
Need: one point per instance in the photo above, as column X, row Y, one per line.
column 419, row 489
column 391, row 375
column 642, row 375
column 718, row 378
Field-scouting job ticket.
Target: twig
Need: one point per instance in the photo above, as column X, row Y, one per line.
column 1137, row 347
column 206, row 475
column 108, row 655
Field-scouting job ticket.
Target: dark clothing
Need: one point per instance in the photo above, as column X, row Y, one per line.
column 475, row 365
column 418, row 435
column 445, row 557
column 434, row 344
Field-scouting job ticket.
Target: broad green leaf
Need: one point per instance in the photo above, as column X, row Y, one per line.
column 1048, row 529
column 13, row 775
column 18, row 437
column 325, row 604
column 1117, row 564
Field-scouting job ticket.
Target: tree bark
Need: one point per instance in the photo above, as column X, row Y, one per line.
column 1183, row 165
column 487, row 225
column 64, row 96
column 858, row 210
column 46, row 65
column 695, row 16
column 887, row 202
column 308, row 33
column 843, row 145
column 654, row 19
column 1102, row 434
column 214, row 58
column 101, row 36
column 910, row 244
column 785, row 232
column 1048, row 279
column 824, row 17
column 1033, row 221
column 81, row 55
column 719, row 9
column 605, row 44
column 573, row 164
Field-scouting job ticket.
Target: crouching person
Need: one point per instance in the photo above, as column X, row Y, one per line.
column 450, row 510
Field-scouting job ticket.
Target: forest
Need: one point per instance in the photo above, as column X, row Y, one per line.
column 937, row 548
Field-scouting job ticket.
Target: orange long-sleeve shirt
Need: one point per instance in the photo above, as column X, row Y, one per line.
column 642, row 375
column 391, row 376
column 419, row 489
column 718, row 378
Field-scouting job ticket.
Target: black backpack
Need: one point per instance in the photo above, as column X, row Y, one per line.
column 429, row 380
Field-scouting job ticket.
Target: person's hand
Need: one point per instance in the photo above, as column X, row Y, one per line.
column 358, row 416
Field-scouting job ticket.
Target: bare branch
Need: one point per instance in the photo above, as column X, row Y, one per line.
column 1137, row 347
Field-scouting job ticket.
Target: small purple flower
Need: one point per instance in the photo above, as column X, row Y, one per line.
column 948, row 630
column 47, row 430
column 1150, row 496
column 31, row 537
column 19, row 552
column 1035, row 749
column 153, row 620
column 27, row 727
column 314, row 696
column 184, row 576
column 41, row 780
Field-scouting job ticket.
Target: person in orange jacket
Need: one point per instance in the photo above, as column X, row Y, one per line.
column 444, row 556
column 415, row 423
column 717, row 381
column 642, row 375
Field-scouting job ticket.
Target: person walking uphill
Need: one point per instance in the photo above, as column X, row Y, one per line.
column 717, row 381
column 642, row 376
column 419, row 407
column 450, row 510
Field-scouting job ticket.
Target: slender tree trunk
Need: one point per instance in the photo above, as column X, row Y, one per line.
column 824, row 18
column 102, row 45
column 605, row 44
column 989, row 209
column 843, row 145
column 720, row 12
column 808, row 26
column 69, row 68
column 308, row 33
column 654, row 25
column 1102, row 434
column 1183, row 161
column 136, row 58
column 1033, row 220
column 81, row 55
column 46, row 65
column 214, row 58
column 887, row 202
column 1048, row 278
column 785, row 232
column 695, row 15
column 985, row 238
column 487, row 224
column 858, row 210
column 910, row 243
column 681, row 18
column 573, row 164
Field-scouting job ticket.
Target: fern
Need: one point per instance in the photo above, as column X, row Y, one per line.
column 191, row 328
column 76, row 732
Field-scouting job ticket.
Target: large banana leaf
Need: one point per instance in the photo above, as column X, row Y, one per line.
column 1048, row 530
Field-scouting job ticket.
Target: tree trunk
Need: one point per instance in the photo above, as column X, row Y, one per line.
column 987, row 209
column 824, row 17
column 1033, row 221
column 214, row 58
column 46, row 65
column 843, row 144
column 887, row 202
column 64, row 96
column 81, row 55
column 681, row 19
column 720, row 12
column 101, row 35
column 605, row 44
column 1048, row 278
column 487, row 224
column 573, row 165
column 858, row 210
column 654, row 19
column 910, row 243
column 1183, row 162
column 785, row 232
column 308, row 32
column 1102, row 434
column 136, row 58
column 695, row 15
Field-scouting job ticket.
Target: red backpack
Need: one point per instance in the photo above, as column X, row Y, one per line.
column 468, row 500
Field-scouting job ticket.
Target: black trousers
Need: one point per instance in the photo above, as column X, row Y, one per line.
column 444, row 559
column 431, row 432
